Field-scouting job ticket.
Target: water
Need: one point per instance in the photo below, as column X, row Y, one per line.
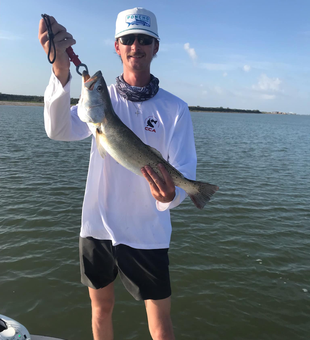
column 239, row 268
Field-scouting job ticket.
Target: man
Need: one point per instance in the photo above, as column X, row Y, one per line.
column 126, row 226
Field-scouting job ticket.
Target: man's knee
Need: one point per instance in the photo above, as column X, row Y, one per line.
column 160, row 324
column 163, row 332
column 102, row 302
column 102, row 312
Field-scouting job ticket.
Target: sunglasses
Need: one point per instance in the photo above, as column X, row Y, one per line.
column 130, row 39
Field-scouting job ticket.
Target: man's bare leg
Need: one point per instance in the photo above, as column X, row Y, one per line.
column 102, row 303
column 159, row 320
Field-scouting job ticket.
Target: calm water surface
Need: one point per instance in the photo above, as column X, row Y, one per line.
column 239, row 268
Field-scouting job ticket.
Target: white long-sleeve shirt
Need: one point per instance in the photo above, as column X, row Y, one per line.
column 118, row 204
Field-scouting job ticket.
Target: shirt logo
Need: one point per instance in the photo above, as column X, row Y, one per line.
column 151, row 124
column 138, row 19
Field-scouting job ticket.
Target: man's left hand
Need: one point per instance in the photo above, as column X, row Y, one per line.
column 162, row 189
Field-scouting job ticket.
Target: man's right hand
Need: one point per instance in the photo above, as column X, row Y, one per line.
column 62, row 40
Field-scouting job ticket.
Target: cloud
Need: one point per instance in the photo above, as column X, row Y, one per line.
column 191, row 52
column 109, row 42
column 225, row 74
column 305, row 33
column 5, row 35
column 246, row 68
column 215, row 67
column 218, row 90
column 268, row 88
column 268, row 96
column 165, row 47
column 266, row 84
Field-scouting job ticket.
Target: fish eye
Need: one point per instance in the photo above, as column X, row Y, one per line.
column 99, row 88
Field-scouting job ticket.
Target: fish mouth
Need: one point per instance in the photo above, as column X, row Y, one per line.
column 85, row 76
column 89, row 82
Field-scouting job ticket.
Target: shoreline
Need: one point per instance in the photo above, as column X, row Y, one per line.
column 9, row 103
column 205, row 111
column 13, row 103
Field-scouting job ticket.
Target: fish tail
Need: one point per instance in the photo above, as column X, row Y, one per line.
column 202, row 193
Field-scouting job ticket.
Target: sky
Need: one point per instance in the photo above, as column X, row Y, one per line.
column 243, row 54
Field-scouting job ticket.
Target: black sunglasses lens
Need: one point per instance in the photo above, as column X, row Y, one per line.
column 145, row 40
column 142, row 39
column 127, row 39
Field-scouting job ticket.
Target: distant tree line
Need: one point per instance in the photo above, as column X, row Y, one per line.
column 74, row 101
column 220, row 109
column 27, row 99
column 20, row 98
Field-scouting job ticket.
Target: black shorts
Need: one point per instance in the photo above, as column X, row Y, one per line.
column 144, row 273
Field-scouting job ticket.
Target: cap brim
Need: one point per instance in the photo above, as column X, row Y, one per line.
column 136, row 31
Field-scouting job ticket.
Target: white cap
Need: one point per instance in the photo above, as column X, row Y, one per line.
column 136, row 20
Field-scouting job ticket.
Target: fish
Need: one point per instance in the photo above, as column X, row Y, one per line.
column 121, row 143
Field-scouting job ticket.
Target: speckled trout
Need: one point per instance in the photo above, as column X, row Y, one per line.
column 114, row 137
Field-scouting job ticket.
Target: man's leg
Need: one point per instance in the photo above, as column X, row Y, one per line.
column 102, row 303
column 159, row 320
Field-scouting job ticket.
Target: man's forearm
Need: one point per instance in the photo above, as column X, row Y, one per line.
column 63, row 75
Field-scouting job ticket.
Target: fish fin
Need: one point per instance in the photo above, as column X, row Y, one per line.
column 101, row 149
column 202, row 193
column 158, row 153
